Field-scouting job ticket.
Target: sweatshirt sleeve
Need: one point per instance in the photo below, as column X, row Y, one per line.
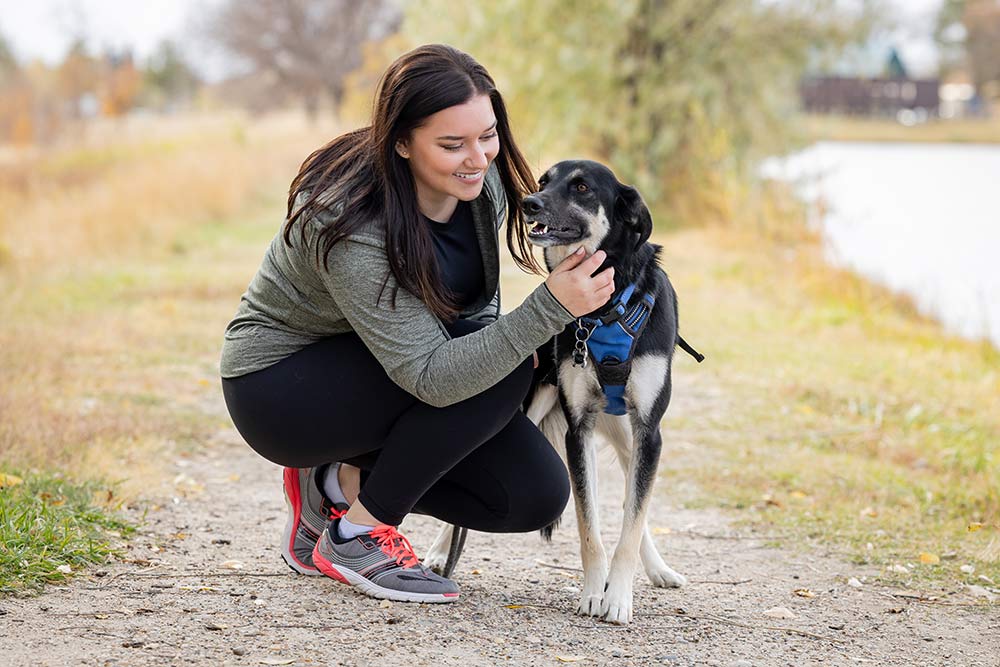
column 408, row 341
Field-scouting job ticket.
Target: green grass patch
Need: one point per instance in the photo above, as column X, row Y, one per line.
column 51, row 527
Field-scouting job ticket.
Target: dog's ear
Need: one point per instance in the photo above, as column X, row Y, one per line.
column 631, row 211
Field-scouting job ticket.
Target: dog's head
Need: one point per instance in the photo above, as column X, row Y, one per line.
column 580, row 202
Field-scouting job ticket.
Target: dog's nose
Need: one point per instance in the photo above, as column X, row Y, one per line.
column 532, row 205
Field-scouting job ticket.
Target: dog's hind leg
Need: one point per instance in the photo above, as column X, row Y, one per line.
column 660, row 574
column 437, row 555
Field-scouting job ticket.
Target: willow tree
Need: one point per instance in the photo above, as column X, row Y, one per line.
column 678, row 96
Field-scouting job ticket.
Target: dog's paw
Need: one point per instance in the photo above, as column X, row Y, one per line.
column 436, row 560
column 665, row 577
column 590, row 605
column 617, row 607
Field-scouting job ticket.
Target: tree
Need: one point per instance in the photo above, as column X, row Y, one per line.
column 678, row 96
column 968, row 32
column 305, row 48
column 168, row 79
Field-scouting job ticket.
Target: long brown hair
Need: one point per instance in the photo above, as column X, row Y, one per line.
column 361, row 171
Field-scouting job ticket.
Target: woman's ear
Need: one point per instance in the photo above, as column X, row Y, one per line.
column 631, row 211
column 402, row 150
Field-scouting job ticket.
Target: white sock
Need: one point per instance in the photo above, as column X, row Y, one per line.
column 331, row 485
column 348, row 530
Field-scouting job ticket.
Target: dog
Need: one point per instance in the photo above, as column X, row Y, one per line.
column 623, row 399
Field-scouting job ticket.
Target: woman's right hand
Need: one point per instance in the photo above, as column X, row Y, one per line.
column 571, row 283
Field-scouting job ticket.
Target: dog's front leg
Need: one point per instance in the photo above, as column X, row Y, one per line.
column 581, row 458
column 617, row 607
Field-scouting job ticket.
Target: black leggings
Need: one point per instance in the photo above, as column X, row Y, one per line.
column 479, row 463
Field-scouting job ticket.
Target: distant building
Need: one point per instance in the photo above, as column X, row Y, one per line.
column 891, row 92
column 869, row 97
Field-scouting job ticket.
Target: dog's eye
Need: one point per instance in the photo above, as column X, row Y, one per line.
column 582, row 187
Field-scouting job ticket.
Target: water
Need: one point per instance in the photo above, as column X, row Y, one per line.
column 921, row 219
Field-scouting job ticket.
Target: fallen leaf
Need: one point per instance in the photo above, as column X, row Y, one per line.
column 476, row 572
column 804, row 593
column 973, row 527
column 929, row 558
column 798, row 494
column 9, row 480
column 570, row 658
column 65, row 569
column 868, row 512
column 968, row 569
column 277, row 661
column 854, row 583
column 661, row 530
column 779, row 612
column 385, row 604
column 900, row 569
column 515, row 606
column 233, row 565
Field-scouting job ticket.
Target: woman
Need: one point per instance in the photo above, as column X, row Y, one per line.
column 369, row 355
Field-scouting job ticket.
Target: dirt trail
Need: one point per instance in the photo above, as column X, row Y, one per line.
column 177, row 604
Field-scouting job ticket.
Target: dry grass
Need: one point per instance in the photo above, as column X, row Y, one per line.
column 845, row 128
column 120, row 277
column 826, row 406
column 840, row 412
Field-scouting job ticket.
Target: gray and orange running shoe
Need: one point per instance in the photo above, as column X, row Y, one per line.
column 381, row 564
column 309, row 510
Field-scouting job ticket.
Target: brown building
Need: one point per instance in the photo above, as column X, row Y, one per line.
column 868, row 96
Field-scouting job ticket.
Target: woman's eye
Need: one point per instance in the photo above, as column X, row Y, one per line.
column 455, row 148
column 581, row 187
column 451, row 148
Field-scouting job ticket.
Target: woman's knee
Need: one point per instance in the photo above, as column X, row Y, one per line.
column 541, row 503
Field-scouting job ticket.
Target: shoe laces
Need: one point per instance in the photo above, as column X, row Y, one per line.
column 336, row 513
column 394, row 545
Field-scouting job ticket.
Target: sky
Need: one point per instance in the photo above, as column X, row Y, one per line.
column 45, row 28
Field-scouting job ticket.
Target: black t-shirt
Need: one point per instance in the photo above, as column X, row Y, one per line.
column 457, row 250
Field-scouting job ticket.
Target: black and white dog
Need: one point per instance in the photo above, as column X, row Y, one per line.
column 610, row 372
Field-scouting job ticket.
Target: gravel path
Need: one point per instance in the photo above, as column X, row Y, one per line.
column 181, row 602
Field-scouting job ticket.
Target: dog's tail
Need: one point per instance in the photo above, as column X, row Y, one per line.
column 554, row 427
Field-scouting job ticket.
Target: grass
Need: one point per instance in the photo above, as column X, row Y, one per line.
column 114, row 296
column 51, row 527
column 828, row 409
column 842, row 417
column 847, row 128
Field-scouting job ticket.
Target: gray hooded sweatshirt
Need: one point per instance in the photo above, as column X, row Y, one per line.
column 293, row 301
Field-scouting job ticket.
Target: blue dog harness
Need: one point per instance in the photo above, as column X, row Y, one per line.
column 609, row 341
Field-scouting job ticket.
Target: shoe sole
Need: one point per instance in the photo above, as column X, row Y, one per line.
column 294, row 505
column 370, row 588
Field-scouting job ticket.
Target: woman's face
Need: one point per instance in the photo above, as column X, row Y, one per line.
column 450, row 152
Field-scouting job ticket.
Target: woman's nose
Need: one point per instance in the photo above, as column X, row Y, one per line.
column 478, row 159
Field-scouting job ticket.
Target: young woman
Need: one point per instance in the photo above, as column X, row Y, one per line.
column 369, row 355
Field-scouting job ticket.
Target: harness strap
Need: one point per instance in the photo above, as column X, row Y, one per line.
column 698, row 356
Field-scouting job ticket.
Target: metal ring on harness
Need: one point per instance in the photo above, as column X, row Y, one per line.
column 458, row 535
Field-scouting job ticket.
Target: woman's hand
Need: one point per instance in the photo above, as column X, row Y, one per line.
column 573, row 286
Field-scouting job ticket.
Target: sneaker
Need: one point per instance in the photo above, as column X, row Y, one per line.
column 381, row 564
column 309, row 510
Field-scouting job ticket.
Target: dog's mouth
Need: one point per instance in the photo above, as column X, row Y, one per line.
column 554, row 234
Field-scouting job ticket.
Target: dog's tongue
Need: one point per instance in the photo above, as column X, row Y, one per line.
column 538, row 227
